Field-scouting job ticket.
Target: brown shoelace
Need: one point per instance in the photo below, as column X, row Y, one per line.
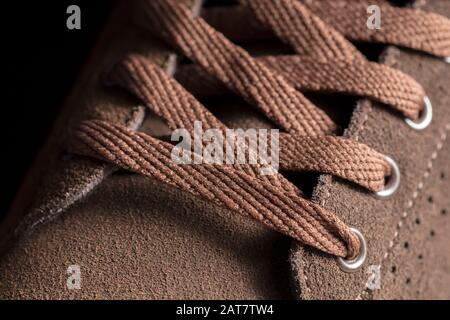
column 324, row 62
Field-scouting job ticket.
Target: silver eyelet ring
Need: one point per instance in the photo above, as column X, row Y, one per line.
column 447, row 59
column 425, row 118
column 393, row 180
column 354, row 264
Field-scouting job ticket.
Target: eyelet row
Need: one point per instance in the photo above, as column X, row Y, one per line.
column 391, row 187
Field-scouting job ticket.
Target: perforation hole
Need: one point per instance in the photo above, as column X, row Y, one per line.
column 406, row 245
column 417, row 221
column 430, row 199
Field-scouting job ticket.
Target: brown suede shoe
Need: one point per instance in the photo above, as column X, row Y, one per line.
column 357, row 210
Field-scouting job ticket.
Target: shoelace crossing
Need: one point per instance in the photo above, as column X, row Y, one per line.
column 325, row 61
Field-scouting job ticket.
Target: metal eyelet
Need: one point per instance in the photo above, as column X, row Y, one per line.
column 447, row 59
column 393, row 180
column 425, row 118
column 354, row 264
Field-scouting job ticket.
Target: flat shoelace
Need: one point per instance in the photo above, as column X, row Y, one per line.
column 324, row 61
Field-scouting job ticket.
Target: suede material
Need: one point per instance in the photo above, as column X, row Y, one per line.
column 419, row 264
column 118, row 234
column 387, row 224
column 136, row 238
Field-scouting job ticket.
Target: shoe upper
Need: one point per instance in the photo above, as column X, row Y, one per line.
column 137, row 238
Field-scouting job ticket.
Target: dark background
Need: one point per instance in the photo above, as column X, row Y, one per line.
column 43, row 59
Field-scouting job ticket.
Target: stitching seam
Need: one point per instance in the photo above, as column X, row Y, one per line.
column 410, row 203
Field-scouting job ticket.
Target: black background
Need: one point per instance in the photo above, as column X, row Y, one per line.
column 282, row 309
column 43, row 59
